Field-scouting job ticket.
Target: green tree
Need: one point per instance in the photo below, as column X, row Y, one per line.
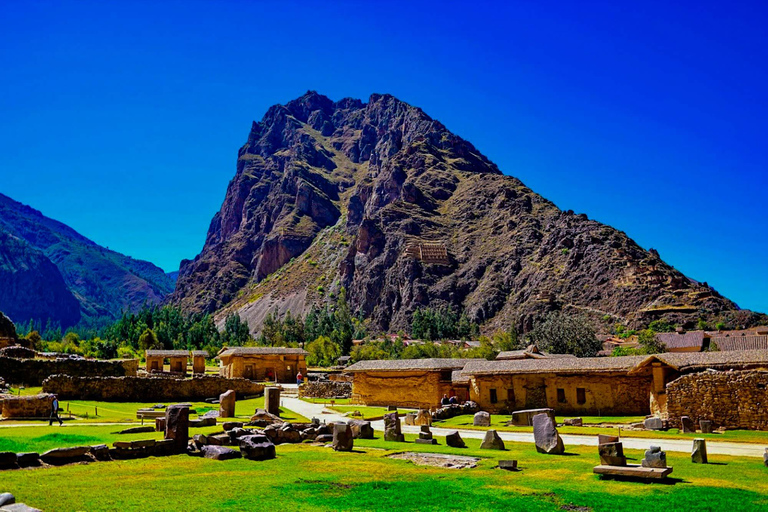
column 148, row 340
column 559, row 333
column 649, row 342
column 322, row 352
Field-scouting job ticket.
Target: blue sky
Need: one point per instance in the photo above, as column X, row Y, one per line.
column 123, row 120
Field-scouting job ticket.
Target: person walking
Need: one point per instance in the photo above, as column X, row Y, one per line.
column 55, row 412
column 299, row 379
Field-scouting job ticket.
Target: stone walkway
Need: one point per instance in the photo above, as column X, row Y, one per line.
column 310, row 410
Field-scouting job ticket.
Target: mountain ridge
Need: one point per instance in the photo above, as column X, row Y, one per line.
column 103, row 282
column 333, row 194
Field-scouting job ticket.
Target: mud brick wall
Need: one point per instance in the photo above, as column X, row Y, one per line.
column 36, row 406
column 326, row 389
column 147, row 389
column 734, row 400
column 33, row 372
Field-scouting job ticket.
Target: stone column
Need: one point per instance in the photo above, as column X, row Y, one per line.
column 177, row 426
column 272, row 400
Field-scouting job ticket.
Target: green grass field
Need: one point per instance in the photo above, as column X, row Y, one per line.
column 315, row 478
column 86, row 411
column 498, row 422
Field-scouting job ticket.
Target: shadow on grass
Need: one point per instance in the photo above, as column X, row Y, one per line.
column 660, row 481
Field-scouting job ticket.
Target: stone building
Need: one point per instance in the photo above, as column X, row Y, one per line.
column 570, row 385
column 177, row 360
column 676, row 374
column 198, row 361
column 269, row 364
column 684, row 341
column 408, row 382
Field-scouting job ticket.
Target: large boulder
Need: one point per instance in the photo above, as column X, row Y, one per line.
column 654, row 458
column 257, row 447
column 706, row 426
column 220, row 453
column 227, row 404
column 612, row 454
column 392, row 428
column 262, row 418
column 342, row 437
column 66, row 455
column 686, row 425
column 492, row 441
column 423, row 417
column 8, row 460
column 699, row 451
column 482, row 419
column 28, row 460
column 653, row 423
column 454, row 440
column 546, row 436
column 177, row 426
column 361, row 429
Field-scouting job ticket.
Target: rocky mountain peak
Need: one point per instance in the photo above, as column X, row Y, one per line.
column 385, row 201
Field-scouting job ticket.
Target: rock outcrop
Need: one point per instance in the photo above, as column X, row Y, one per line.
column 383, row 200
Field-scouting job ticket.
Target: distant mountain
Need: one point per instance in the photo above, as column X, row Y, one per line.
column 48, row 264
column 383, row 200
column 173, row 276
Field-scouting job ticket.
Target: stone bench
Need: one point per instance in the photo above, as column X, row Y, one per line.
column 633, row 471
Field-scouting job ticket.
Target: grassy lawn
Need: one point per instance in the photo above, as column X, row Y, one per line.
column 85, row 411
column 314, row 478
column 367, row 412
column 498, row 423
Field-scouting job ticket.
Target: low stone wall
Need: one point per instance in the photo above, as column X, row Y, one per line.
column 327, row 389
column 36, row 406
column 734, row 400
column 147, row 389
column 33, row 372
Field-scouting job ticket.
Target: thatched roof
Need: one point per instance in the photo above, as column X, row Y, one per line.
column 457, row 377
column 690, row 339
column 203, row 353
column 260, row 351
column 572, row 365
column 740, row 343
column 729, row 360
column 167, row 353
column 401, row 365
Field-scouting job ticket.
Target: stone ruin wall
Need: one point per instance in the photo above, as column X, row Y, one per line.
column 734, row 400
column 33, row 372
column 147, row 389
column 36, row 406
column 326, row 389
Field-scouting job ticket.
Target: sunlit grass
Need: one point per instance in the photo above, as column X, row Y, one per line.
column 314, row 478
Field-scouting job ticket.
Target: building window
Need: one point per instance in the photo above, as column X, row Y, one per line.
column 511, row 396
column 494, row 398
column 561, row 395
column 445, row 375
column 581, row 396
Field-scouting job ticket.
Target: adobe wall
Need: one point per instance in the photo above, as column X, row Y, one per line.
column 147, row 389
column 33, row 372
column 36, row 406
column 262, row 363
column 605, row 394
column 421, row 390
column 734, row 400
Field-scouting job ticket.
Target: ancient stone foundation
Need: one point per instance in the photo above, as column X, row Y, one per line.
column 146, row 389
column 37, row 406
column 326, row 389
column 734, row 400
column 33, row 372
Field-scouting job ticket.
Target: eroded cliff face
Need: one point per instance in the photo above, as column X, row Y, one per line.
column 351, row 194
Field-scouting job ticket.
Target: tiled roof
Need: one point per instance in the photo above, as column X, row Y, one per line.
column 258, row 351
column 740, row 343
column 690, row 339
column 168, row 353
column 203, row 353
column 554, row 365
column 409, row 364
